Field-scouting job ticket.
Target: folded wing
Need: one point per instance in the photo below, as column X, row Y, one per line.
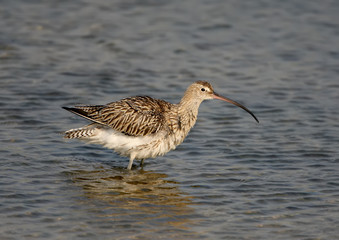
column 135, row 116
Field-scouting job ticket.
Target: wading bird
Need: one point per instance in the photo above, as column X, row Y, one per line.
column 143, row 127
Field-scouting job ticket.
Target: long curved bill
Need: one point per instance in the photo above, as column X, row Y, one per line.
column 217, row 96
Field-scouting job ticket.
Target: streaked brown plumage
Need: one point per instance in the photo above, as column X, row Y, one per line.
column 143, row 127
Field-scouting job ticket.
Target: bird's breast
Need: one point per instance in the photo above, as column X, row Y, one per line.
column 179, row 126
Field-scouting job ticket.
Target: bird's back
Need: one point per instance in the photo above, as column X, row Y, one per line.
column 134, row 116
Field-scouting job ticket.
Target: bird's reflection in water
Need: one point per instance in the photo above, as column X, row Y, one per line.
column 142, row 199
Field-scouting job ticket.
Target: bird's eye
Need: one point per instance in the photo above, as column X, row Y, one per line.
column 203, row 89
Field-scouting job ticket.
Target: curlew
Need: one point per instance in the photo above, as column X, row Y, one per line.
column 143, row 127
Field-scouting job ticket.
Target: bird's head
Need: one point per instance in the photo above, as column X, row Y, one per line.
column 202, row 90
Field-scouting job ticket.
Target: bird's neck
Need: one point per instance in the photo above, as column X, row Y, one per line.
column 190, row 103
column 188, row 110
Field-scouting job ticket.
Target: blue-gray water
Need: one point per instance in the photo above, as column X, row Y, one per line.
column 231, row 178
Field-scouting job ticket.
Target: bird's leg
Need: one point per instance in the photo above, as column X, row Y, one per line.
column 142, row 163
column 130, row 164
column 130, row 161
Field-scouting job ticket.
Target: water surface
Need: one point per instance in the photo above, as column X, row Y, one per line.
column 231, row 179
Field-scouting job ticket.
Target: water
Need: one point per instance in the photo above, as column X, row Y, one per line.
column 231, row 178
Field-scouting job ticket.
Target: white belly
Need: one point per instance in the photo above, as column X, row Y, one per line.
column 134, row 147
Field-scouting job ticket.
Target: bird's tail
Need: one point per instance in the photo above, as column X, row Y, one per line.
column 84, row 132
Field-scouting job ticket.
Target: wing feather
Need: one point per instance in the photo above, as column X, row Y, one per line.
column 135, row 116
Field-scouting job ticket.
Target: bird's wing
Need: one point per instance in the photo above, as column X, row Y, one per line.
column 135, row 116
